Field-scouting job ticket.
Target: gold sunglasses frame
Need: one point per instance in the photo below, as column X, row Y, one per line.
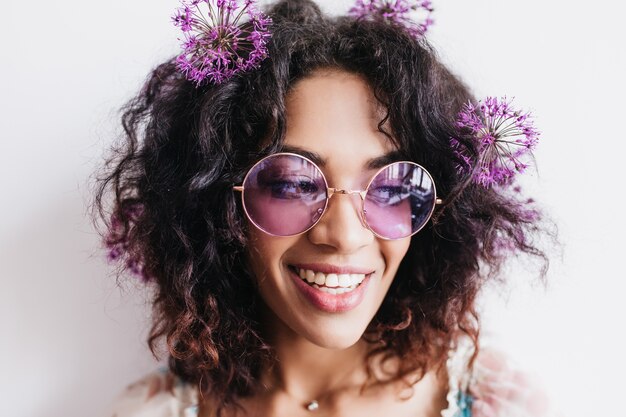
column 330, row 191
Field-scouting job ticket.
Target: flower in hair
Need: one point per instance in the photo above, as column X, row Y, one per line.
column 221, row 38
column 503, row 137
column 397, row 12
column 117, row 240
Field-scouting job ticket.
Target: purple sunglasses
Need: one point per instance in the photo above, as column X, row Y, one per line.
column 286, row 194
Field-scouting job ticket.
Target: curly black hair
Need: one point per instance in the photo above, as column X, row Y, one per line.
column 166, row 198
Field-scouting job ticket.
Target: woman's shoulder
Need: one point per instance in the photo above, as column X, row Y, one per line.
column 158, row 394
column 493, row 385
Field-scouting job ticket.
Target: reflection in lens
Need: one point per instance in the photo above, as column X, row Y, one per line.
column 284, row 194
column 399, row 200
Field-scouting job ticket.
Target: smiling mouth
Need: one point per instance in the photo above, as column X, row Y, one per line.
column 329, row 283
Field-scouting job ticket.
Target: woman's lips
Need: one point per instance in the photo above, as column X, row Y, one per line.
column 331, row 303
column 332, row 269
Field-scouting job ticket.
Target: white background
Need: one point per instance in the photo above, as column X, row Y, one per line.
column 70, row 340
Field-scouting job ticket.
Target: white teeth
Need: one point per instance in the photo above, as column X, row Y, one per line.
column 332, row 280
column 339, row 282
column 345, row 280
column 329, row 290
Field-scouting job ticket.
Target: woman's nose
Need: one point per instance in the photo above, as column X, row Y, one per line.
column 341, row 226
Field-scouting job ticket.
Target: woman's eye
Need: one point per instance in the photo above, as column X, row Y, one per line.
column 296, row 189
column 387, row 194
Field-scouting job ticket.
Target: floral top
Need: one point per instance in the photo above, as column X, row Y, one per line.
column 492, row 388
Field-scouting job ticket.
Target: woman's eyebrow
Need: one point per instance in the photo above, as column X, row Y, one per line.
column 315, row 157
column 386, row 159
column 374, row 163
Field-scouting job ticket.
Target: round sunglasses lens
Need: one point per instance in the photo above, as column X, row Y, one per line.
column 284, row 194
column 399, row 200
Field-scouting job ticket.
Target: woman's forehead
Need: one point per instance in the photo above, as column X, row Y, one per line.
column 335, row 115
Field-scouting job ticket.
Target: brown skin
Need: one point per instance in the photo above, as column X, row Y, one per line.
column 321, row 355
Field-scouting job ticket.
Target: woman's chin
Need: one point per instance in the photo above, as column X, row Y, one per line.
column 334, row 337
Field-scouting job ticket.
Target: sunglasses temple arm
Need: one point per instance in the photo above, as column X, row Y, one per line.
column 238, row 187
column 438, row 201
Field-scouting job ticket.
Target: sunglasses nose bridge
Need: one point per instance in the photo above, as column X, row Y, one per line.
column 333, row 191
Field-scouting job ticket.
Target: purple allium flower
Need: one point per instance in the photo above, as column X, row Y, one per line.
column 503, row 137
column 117, row 241
column 413, row 15
column 218, row 41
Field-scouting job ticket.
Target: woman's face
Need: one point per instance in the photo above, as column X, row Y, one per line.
column 334, row 115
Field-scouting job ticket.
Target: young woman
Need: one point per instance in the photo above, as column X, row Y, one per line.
column 314, row 237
